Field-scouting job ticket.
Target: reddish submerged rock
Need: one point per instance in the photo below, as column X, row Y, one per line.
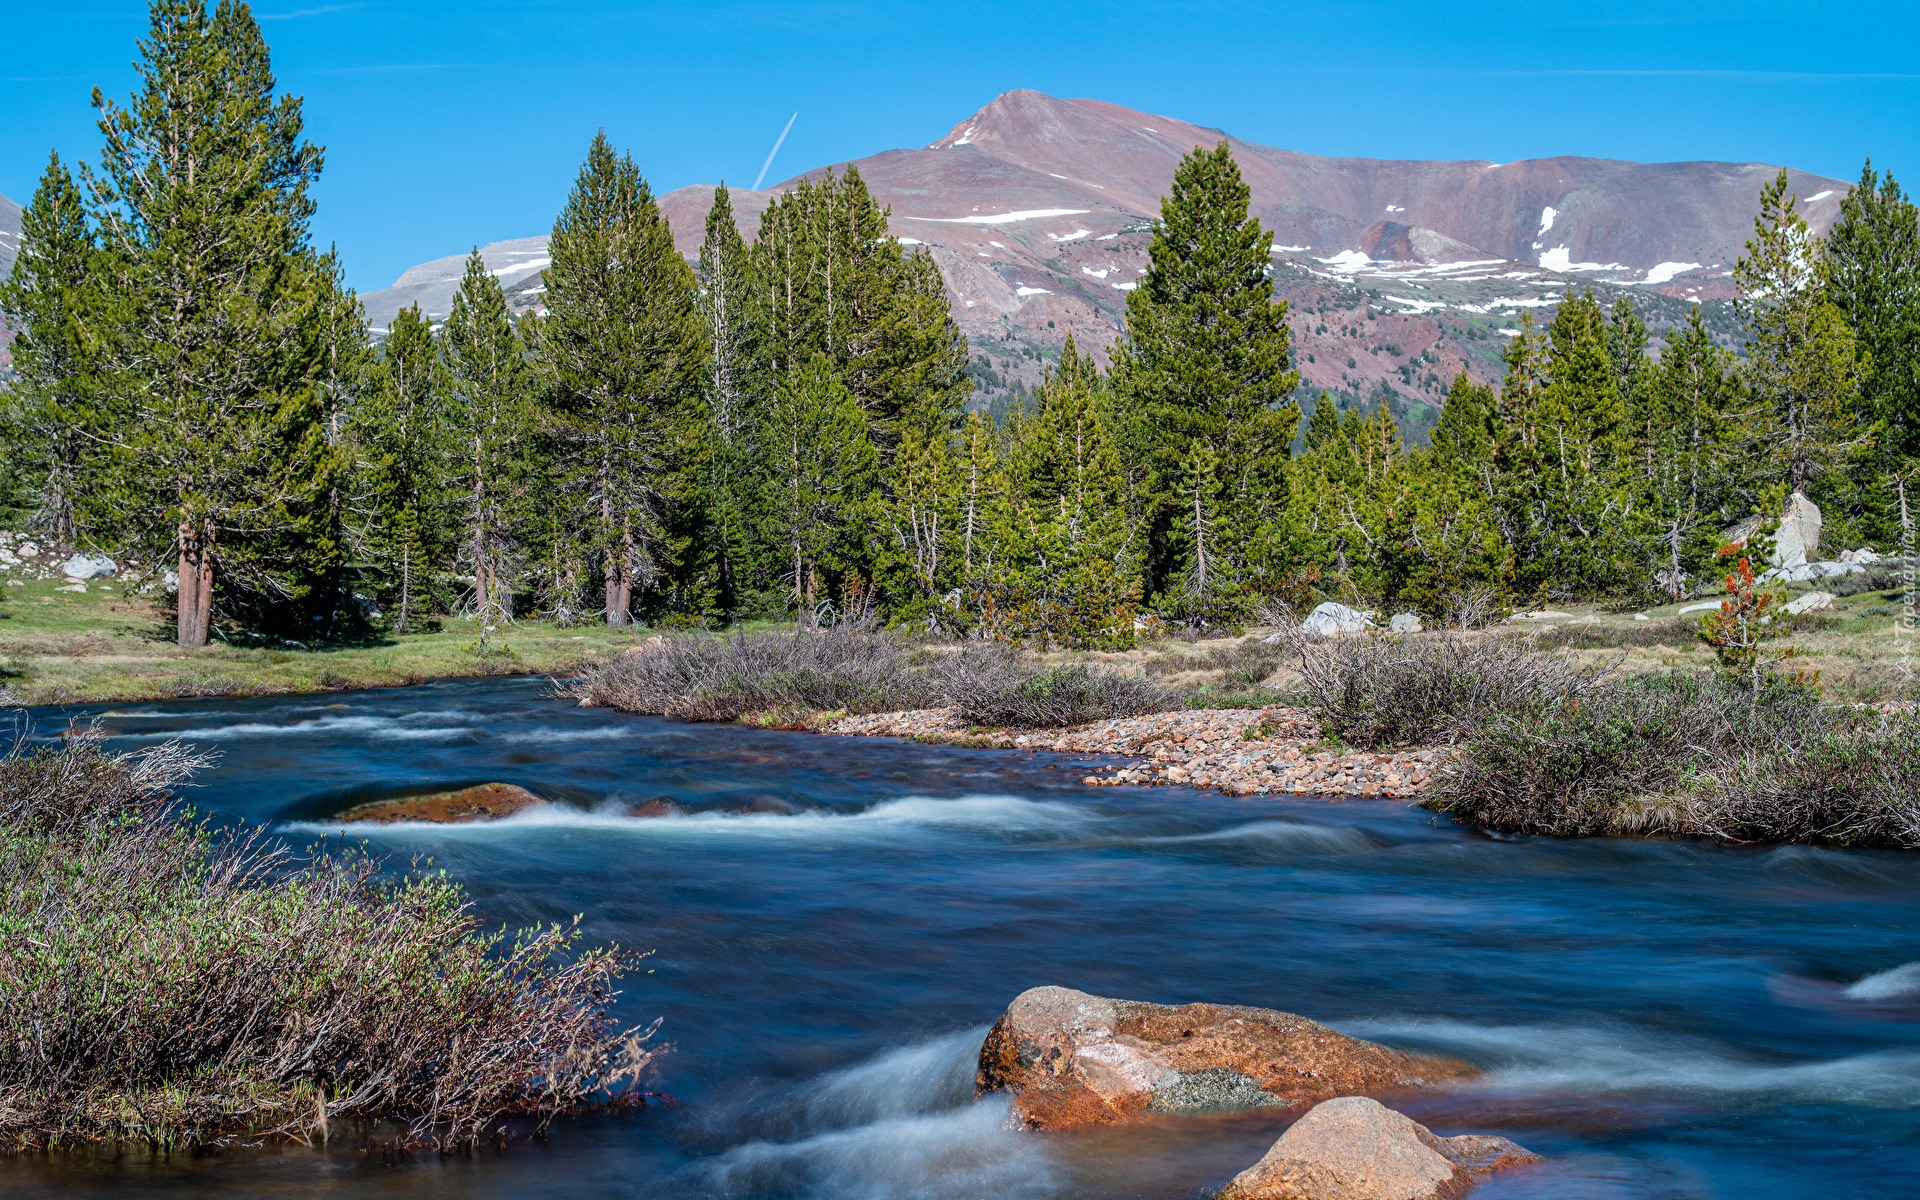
column 1354, row 1148
column 1072, row 1059
column 484, row 801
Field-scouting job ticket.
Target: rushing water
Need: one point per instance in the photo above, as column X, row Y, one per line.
column 1661, row 1019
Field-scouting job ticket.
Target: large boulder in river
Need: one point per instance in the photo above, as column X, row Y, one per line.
column 1071, row 1059
column 485, row 801
column 1354, row 1148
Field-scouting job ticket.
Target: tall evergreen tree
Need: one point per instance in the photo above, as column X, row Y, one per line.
column 1065, row 570
column 821, row 468
column 45, row 412
column 834, row 282
column 1872, row 275
column 1207, row 360
column 400, row 430
column 219, row 449
column 733, row 398
column 490, row 417
column 1693, row 412
column 1465, row 434
column 1801, row 360
column 623, row 355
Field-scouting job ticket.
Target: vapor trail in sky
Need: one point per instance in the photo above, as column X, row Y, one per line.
column 776, row 149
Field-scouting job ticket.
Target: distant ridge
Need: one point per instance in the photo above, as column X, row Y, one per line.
column 1037, row 211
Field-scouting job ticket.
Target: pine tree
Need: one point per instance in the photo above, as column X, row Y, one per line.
column 821, row 468
column 1693, row 404
column 1324, row 423
column 1464, row 437
column 1065, row 571
column 219, row 450
column 405, row 444
column 834, row 282
column 1207, row 360
column 340, row 323
column 831, row 282
column 734, row 400
column 490, row 413
column 1801, row 360
column 46, row 410
column 1871, row 269
column 623, row 354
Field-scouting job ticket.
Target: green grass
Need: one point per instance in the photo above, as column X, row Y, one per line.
column 109, row 644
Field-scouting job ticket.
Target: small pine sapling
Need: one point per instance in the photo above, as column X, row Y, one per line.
column 1745, row 620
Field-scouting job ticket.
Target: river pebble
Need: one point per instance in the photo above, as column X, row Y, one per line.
column 1240, row 751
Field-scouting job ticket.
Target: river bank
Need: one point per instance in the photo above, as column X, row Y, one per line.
column 1239, row 751
column 108, row 643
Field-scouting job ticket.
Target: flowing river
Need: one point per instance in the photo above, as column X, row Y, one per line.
column 1660, row 1019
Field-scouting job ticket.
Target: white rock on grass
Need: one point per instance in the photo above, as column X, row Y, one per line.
column 87, row 566
column 1405, row 623
column 1698, row 607
column 1811, row 570
column 1811, row 602
column 1336, row 618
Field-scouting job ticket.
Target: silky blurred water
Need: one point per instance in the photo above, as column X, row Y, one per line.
column 1661, row 1019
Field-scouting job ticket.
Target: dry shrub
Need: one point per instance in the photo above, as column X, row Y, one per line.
column 161, row 983
column 1473, row 606
column 1384, row 690
column 857, row 669
column 849, row 668
column 990, row 685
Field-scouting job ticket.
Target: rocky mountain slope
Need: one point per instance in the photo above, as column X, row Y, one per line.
column 1400, row 273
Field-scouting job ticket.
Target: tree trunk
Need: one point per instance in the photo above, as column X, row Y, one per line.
column 406, row 586
column 196, row 585
column 619, row 591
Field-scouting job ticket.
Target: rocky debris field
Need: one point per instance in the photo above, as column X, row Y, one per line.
column 1240, row 751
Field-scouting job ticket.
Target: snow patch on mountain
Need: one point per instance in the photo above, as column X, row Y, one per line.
column 1665, row 271
column 1561, row 259
column 1027, row 214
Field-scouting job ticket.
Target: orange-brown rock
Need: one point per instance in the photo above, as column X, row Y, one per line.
column 1354, row 1148
column 1072, row 1059
column 484, row 801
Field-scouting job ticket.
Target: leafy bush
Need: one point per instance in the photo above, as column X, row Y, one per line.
column 1603, row 761
column 164, row 984
column 1380, row 691
column 1855, row 786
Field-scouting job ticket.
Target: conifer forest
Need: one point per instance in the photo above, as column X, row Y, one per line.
column 783, row 428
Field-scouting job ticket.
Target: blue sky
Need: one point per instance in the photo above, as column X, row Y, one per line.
column 450, row 124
